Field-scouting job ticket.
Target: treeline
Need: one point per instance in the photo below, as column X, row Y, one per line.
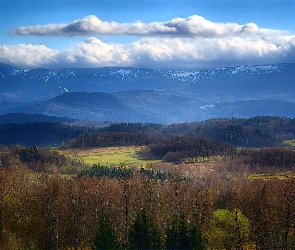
column 260, row 131
column 100, row 171
column 29, row 118
column 54, row 212
column 40, row 133
column 267, row 160
column 180, row 148
column 132, row 127
column 110, row 139
column 125, row 172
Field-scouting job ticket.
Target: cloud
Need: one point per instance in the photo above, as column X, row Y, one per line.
column 28, row 55
column 193, row 42
column 158, row 53
column 192, row 26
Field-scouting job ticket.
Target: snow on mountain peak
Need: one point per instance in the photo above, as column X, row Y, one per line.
column 124, row 71
column 252, row 69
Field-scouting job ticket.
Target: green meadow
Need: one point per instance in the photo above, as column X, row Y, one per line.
column 290, row 142
column 279, row 176
column 111, row 156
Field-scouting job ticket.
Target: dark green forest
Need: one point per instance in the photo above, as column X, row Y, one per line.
column 260, row 131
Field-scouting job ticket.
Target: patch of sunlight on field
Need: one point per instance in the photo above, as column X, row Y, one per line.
column 290, row 142
column 109, row 156
column 280, row 176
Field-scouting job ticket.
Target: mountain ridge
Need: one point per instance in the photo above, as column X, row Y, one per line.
column 52, row 82
column 145, row 95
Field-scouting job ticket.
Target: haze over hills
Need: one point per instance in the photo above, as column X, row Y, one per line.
column 145, row 95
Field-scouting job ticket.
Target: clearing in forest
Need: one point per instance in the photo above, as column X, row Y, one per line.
column 110, row 156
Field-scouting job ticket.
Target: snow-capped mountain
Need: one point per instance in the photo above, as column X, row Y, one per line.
column 157, row 95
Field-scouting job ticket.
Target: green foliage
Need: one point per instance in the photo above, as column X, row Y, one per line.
column 229, row 229
column 182, row 235
column 110, row 155
column 156, row 175
column 105, row 237
column 144, row 233
column 123, row 172
column 108, row 172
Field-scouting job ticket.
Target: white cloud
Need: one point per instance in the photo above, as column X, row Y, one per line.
column 28, row 55
column 192, row 26
column 156, row 52
column 191, row 42
column 94, row 52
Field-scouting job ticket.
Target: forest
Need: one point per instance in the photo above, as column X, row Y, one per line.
column 217, row 184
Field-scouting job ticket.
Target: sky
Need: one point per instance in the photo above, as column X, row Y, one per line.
column 157, row 34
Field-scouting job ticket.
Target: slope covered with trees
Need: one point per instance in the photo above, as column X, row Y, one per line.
column 41, row 211
column 50, row 201
column 261, row 131
column 40, row 133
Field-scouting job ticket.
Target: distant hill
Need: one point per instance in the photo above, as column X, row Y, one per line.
column 87, row 106
column 151, row 106
column 145, row 95
column 19, row 118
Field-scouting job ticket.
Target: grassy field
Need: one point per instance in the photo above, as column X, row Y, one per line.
column 290, row 142
column 280, row 176
column 108, row 156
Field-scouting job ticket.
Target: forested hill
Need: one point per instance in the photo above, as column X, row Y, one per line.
column 260, row 131
column 40, row 133
column 25, row 118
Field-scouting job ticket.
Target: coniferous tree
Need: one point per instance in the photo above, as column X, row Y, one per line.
column 105, row 236
column 144, row 234
column 182, row 235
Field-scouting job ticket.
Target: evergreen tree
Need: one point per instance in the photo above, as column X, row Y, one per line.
column 182, row 235
column 105, row 236
column 144, row 234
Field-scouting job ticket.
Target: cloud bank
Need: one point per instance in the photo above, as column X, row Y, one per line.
column 181, row 43
column 192, row 26
column 176, row 53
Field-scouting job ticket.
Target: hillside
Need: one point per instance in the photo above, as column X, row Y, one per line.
column 25, row 118
column 260, row 131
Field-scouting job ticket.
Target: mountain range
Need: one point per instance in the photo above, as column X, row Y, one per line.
column 146, row 95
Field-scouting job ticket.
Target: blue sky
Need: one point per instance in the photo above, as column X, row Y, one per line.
column 183, row 34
